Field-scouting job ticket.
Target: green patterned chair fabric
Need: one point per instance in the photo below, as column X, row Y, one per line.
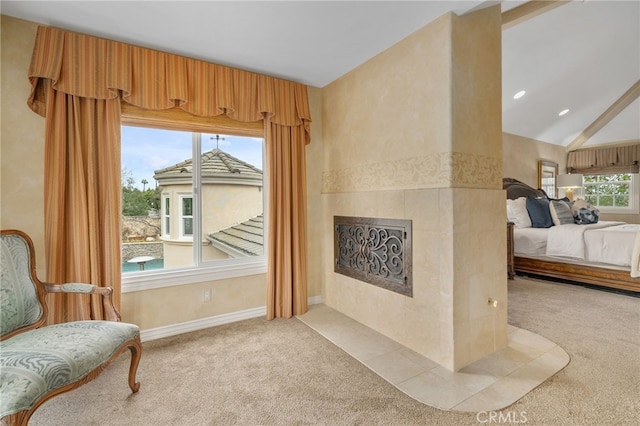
column 38, row 362
column 19, row 302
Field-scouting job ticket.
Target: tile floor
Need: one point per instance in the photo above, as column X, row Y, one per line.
column 491, row 383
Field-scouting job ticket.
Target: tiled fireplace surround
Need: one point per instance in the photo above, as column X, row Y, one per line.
column 447, row 346
column 458, row 265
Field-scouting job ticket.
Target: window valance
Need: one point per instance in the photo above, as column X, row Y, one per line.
column 594, row 161
column 96, row 68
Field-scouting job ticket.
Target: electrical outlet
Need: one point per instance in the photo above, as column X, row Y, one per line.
column 207, row 295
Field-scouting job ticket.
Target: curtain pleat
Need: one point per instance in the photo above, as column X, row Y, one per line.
column 82, row 200
column 287, row 221
column 77, row 83
column 594, row 161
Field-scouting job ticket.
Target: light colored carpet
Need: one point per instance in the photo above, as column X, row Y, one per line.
column 280, row 372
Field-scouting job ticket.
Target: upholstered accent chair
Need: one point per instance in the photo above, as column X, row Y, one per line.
column 38, row 361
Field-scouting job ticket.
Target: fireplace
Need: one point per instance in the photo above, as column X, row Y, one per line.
column 376, row 251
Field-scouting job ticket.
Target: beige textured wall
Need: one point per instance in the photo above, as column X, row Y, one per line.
column 478, row 274
column 22, row 198
column 521, row 155
column 390, row 151
column 400, row 84
column 315, row 250
column 173, row 305
column 629, row 218
column 21, row 147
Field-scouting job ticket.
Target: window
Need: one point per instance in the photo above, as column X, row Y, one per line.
column 612, row 193
column 186, row 216
column 166, row 215
column 209, row 188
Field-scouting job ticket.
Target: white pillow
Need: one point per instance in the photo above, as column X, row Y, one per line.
column 517, row 212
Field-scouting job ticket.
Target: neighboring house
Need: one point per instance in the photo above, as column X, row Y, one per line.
column 231, row 196
column 242, row 240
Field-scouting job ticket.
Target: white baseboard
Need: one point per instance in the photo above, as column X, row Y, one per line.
column 314, row 300
column 199, row 324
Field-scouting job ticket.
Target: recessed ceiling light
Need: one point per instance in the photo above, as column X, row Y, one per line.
column 519, row 94
column 563, row 112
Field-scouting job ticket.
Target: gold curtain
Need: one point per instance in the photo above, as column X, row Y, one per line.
column 287, row 222
column 84, row 67
column 82, row 200
column 594, row 161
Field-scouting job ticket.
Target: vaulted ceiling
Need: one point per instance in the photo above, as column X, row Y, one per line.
column 582, row 56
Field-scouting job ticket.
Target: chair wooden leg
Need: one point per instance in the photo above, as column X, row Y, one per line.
column 136, row 354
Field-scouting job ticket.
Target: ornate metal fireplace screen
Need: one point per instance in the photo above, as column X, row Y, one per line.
column 376, row 251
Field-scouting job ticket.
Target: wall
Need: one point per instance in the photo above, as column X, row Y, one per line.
column 414, row 133
column 316, row 254
column 131, row 250
column 21, row 147
column 521, row 155
column 22, row 199
column 629, row 218
column 140, row 227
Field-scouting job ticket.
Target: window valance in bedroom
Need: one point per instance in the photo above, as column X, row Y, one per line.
column 95, row 68
column 594, row 161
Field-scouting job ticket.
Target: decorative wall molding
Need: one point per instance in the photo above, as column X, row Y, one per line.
column 441, row 170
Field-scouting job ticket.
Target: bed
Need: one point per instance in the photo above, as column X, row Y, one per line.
column 605, row 253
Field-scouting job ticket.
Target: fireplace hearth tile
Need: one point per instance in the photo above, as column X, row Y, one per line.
column 492, row 383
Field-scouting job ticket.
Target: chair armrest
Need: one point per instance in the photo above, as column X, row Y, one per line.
column 106, row 292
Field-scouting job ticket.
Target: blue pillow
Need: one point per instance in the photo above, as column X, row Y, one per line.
column 584, row 213
column 538, row 209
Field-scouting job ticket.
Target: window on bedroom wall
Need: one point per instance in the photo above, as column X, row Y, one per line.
column 193, row 206
column 613, row 193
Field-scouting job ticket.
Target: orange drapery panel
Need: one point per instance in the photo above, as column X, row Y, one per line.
column 86, row 67
column 287, row 222
column 82, row 203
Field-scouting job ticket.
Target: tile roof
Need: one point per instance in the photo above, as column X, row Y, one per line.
column 244, row 239
column 215, row 163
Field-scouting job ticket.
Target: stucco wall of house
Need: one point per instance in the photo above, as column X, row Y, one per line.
column 223, row 206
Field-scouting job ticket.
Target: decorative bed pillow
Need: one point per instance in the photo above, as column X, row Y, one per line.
column 517, row 213
column 539, row 212
column 584, row 213
column 560, row 210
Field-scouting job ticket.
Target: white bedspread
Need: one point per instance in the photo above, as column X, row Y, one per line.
column 635, row 258
column 612, row 245
column 568, row 240
column 530, row 241
column 605, row 242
